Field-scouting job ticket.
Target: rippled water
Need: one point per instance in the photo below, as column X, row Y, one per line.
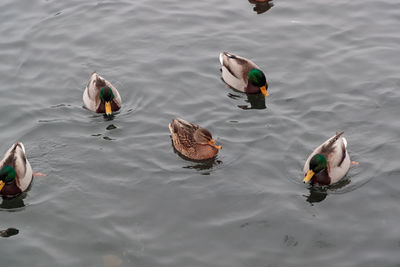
column 116, row 194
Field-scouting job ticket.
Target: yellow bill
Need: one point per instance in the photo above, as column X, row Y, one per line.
column 2, row 184
column 108, row 108
column 308, row 177
column 263, row 90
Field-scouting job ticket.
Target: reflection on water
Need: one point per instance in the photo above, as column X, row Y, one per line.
column 13, row 203
column 256, row 101
column 202, row 165
column 321, row 56
column 342, row 183
column 319, row 193
column 108, row 117
column 111, row 127
column 199, row 165
column 105, row 137
column 9, row 232
column 261, row 7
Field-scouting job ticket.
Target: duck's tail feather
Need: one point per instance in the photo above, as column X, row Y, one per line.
column 221, row 58
column 334, row 139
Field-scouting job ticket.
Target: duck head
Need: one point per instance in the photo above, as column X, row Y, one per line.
column 257, row 78
column 7, row 175
column 317, row 164
column 204, row 137
column 106, row 97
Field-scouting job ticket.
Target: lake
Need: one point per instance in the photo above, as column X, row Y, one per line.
column 115, row 192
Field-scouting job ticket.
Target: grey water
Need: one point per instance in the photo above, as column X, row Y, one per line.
column 115, row 192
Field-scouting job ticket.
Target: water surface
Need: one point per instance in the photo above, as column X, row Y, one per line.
column 116, row 194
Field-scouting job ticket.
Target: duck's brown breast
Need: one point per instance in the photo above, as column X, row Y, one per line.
column 321, row 178
column 10, row 190
column 203, row 152
column 102, row 108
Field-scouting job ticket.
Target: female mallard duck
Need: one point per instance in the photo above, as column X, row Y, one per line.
column 15, row 171
column 101, row 96
column 242, row 74
column 329, row 162
column 192, row 141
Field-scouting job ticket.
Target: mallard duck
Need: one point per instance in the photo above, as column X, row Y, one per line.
column 242, row 74
column 192, row 141
column 329, row 162
column 101, row 96
column 15, row 171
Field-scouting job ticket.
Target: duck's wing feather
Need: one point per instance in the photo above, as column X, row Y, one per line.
column 335, row 152
column 183, row 132
column 91, row 94
column 235, row 70
column 331, row 149
column 338, row 159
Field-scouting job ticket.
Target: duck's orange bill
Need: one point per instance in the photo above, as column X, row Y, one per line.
column 263, row 90
column 308, row 177
column 108, row 108
column 2, row 184
column 212, row 143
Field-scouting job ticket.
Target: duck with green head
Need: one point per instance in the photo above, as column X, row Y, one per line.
column 328, row 163
column 243, row 74
column 15, row 171
column 101, row 96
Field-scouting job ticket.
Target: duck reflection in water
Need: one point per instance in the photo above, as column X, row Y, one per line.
column 14, row 203
column 203, row 165
column 261, row 6
column 256, row 101
column 319, row 193
column 199, row 165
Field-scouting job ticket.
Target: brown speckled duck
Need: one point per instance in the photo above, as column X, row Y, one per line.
column 192, row 141
column 242, row 74
column 101, row 96
column 329, row 162
column 15, row 171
